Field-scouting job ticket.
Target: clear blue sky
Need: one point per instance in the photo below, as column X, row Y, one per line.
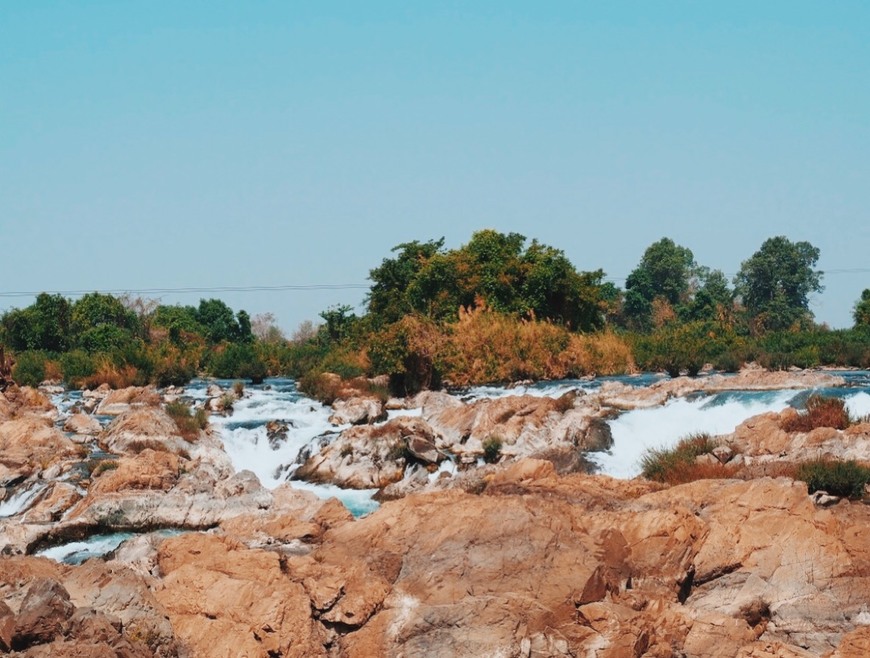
column 178, row 144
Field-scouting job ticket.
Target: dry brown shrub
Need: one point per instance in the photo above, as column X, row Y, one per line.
column 115, row 376
column 821, row 412
column 53, row 371
column 603, row 353
column 491, row 347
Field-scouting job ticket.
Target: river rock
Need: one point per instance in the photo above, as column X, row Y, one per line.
column 145, row 428
column 224, row 600
column 145, row 470
column 30, row 444
column 366, row 456
column 82, row 424
column 524, row 424
column 123, row 400
column 357, row 411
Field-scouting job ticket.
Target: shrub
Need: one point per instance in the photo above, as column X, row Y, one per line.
column 838, row 478
column 492, row 449
column 98, row 467
column 77, row 366
column 189, row 424
column 821, row 412
column 677, row 465
column 29, row 368
column 320, row 386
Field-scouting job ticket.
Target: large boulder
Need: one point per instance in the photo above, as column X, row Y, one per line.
column 358, row 411
column 31, row 444
column 224, row 600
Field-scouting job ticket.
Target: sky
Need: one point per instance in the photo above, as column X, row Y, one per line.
column 157, row 146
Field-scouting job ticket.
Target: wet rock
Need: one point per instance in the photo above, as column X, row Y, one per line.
column 276, row 432
column 423, row 449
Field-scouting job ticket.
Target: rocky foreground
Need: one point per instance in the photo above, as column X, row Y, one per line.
column 513, row 559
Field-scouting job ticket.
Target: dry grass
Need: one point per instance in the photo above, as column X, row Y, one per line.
column 678, row 465
column 487, row 347
column 189, row 423
column 116, row 377
column 821, row 412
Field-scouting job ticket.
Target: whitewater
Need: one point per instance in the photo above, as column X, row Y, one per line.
column 247, row 443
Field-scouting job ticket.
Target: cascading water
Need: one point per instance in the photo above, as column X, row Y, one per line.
column 21, row 500
column 247, row 442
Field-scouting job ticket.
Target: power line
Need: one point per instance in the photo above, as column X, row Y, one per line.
column 288, row 287
column 193, row 289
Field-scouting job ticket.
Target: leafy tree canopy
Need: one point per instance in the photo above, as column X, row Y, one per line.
column 776, row 282
column 664, row 273
column 495, row 269
column 44, row 325
column 862, row 310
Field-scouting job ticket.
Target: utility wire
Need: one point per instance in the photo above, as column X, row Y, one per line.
column 286, row 288
column 156, row 291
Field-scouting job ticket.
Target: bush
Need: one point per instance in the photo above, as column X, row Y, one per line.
column 821, row 412
column 838, row 478
column 492, row 449
column 189, row 424
column 77, row 367
column 29, row 368
column 677, row 465
column 238, row 361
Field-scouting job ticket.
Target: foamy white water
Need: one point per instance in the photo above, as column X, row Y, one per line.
column 21, row 500
column 859, row 404
column 635, row 432
column 247, row 443
column 77, row 552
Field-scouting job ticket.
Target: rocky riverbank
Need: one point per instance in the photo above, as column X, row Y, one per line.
column 527, row 556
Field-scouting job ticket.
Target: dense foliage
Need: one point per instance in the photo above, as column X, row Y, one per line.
column 101, row 338
column 493, row 270
column 776, row 282
column 496, row 309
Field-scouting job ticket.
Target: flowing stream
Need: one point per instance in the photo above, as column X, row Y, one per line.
column 247, row 442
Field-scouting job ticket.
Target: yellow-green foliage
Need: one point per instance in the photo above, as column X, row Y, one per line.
column 503, row 348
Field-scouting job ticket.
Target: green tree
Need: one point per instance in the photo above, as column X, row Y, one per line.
column 44, row 325
column 862, row 310
column 775, row 284
column 218, row 320
column 95, row 311
column 387, row 299
column 713, row 299
column 664, row 273
column 339, row 321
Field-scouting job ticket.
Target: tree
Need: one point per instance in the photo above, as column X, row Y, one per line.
column 776, row 282
column 218, row 320
column 387, row 298
column 664, row 273
column 495, row 269
column 44, row 325
column 862, row 310
column 713, row 299
column 96, row 309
